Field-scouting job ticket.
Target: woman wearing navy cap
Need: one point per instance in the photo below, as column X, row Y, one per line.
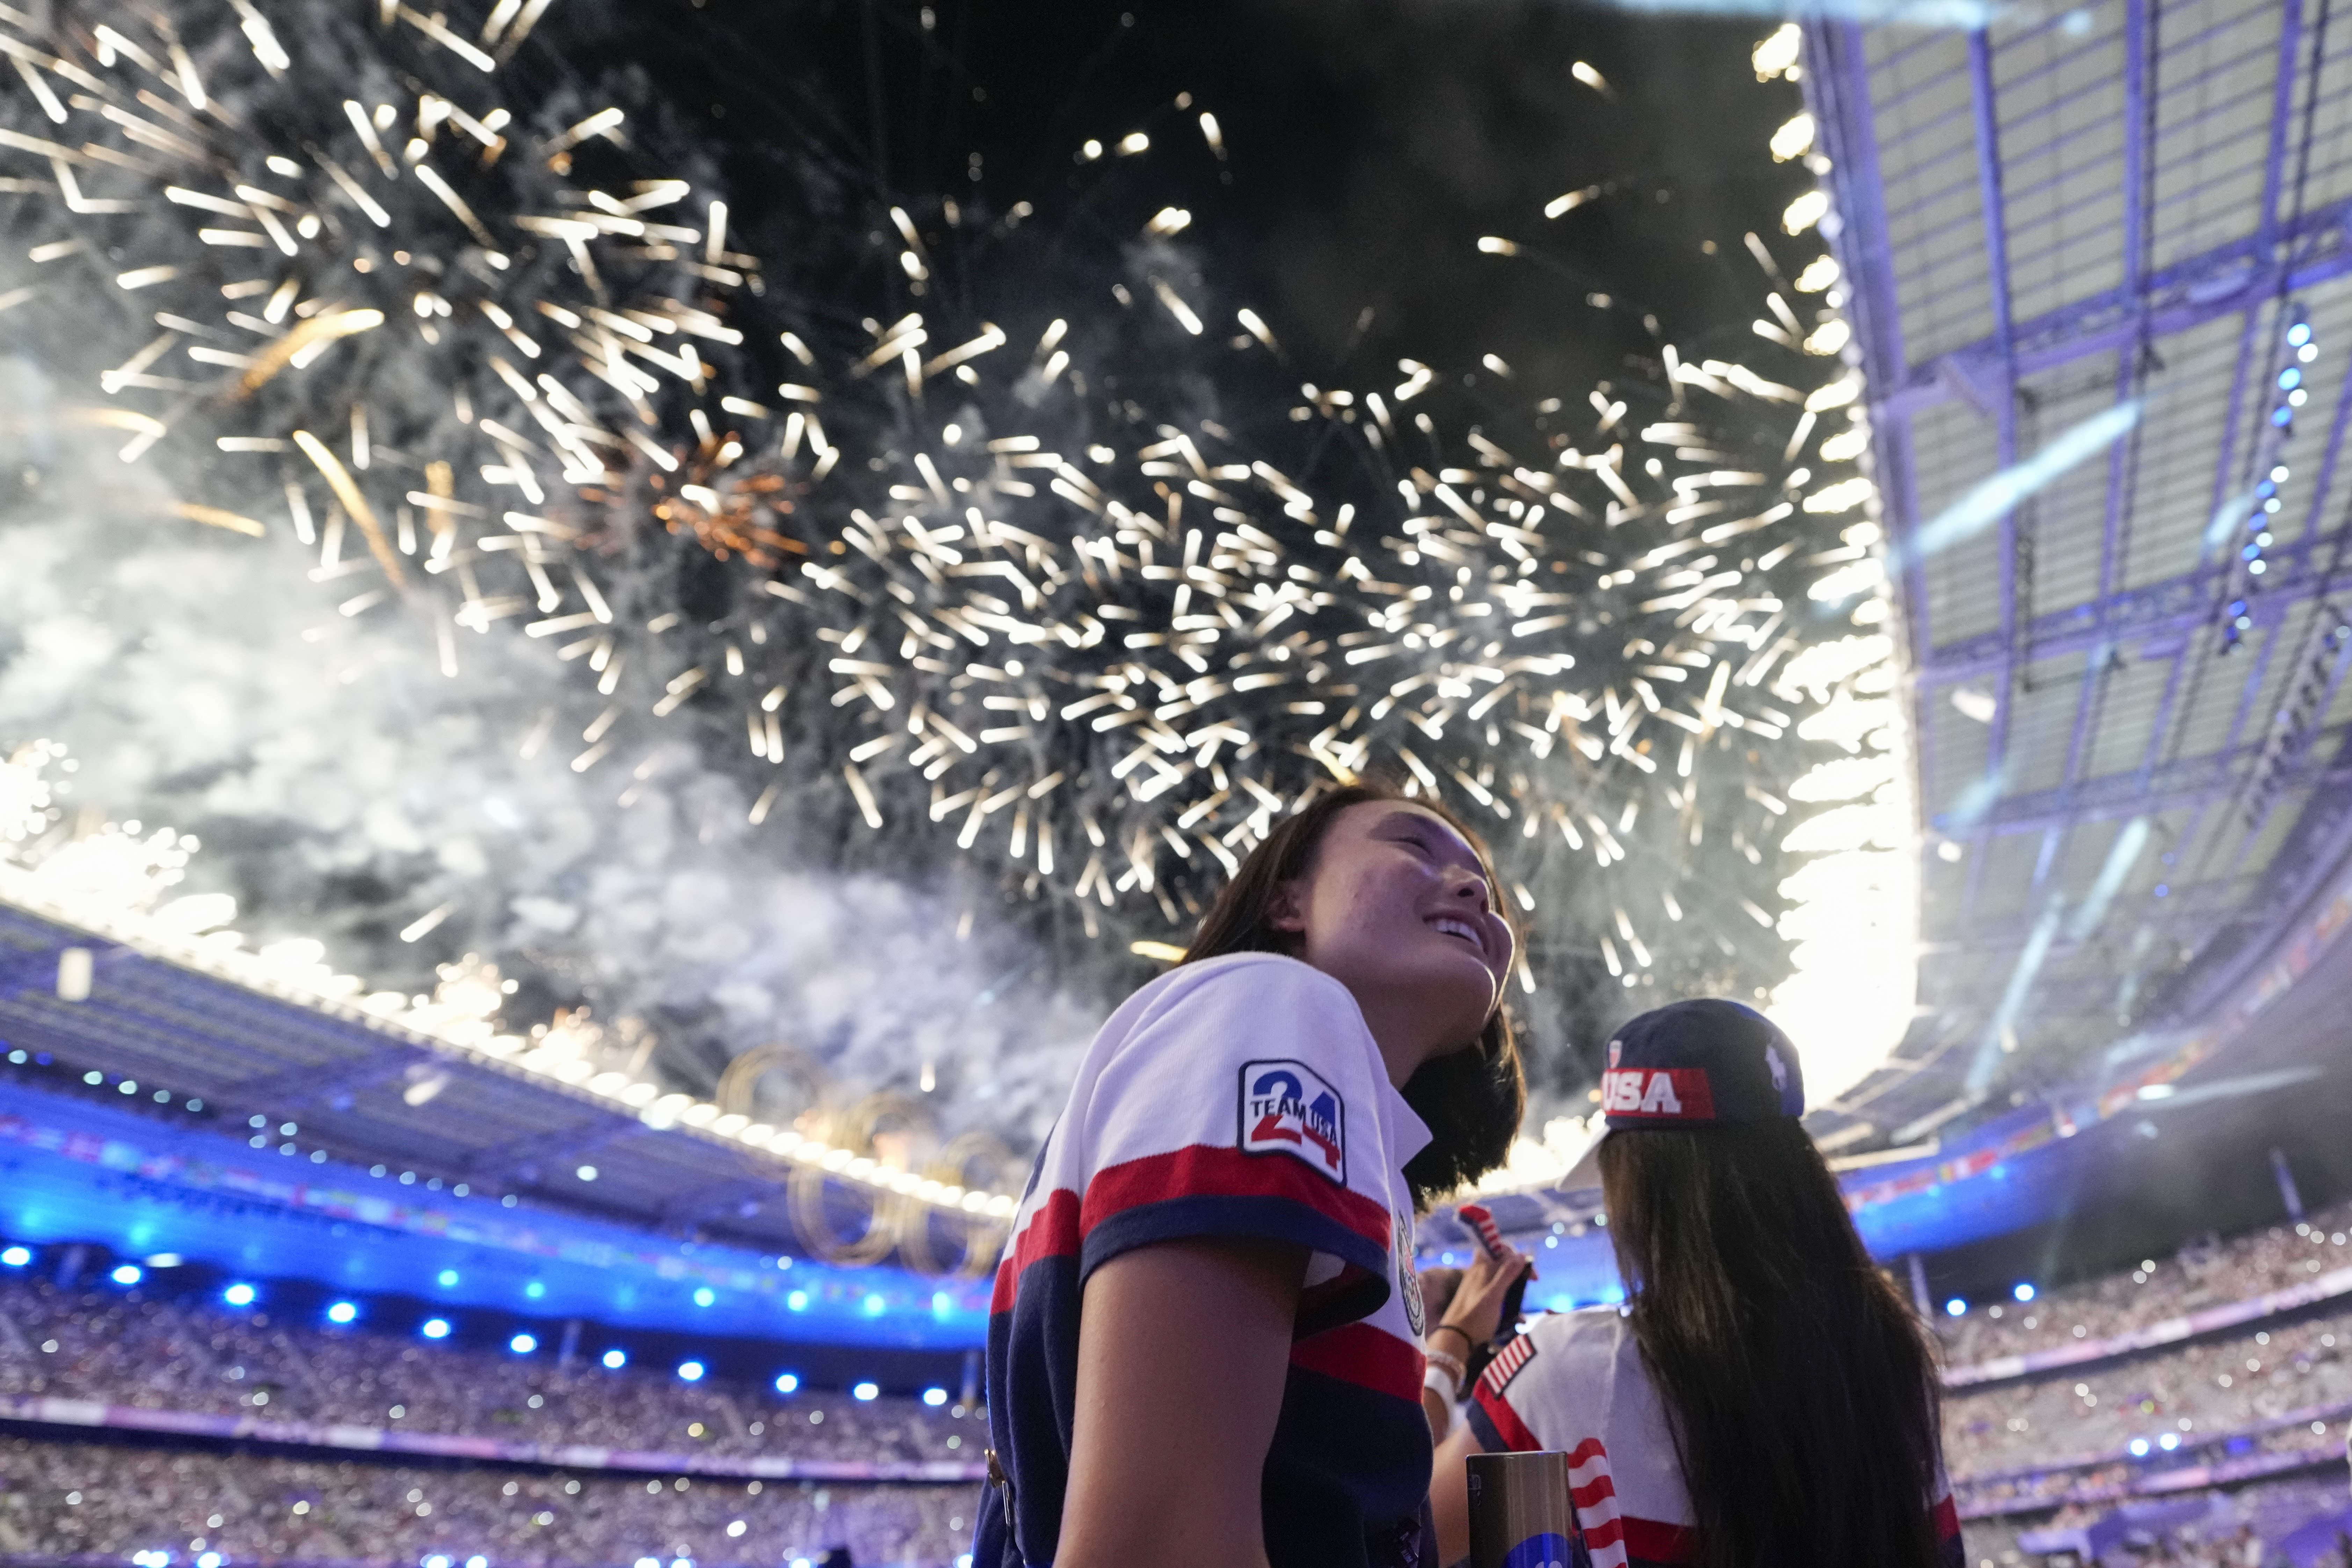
column 1766, row 1399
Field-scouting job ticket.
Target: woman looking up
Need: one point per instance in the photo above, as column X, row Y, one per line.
column 1205, row 1344
column 1766, row 1399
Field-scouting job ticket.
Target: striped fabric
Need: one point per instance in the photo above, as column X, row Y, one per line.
column 1574, row 1383
column 1245, row 1098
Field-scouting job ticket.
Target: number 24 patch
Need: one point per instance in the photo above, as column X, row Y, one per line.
column 1286, row 1108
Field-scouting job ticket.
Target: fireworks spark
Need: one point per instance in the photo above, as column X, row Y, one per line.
column 1018, row 590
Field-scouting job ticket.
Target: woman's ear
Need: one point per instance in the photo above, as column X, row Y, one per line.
column 1285, row 907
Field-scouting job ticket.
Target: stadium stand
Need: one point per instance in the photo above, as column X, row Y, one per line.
column 2200, row 1278
column 2198, row 1418
column 117, row 1348
column 82, row 1502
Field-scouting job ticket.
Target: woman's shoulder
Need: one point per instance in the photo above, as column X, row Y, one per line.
column 1242, row 980
column 1240, row 1005
column 1597, row 1330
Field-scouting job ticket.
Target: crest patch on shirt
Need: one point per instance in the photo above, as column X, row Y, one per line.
column 1286, row 1108
column 1408, row 1278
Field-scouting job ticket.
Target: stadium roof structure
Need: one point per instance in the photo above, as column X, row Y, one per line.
column 361, row 1088
column 2101, row 253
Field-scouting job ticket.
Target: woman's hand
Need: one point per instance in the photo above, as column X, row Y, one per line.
column 1476, row 1309
column 1183, row 1350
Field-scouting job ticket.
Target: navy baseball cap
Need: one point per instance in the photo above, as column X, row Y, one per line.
column 1693, row 1064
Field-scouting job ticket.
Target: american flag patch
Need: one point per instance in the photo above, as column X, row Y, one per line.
column 1508, row 1362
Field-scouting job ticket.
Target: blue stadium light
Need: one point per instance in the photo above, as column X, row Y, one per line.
column 941, row 1303
column 16, row 1257
column 343, row 1311
column 867, row 1391
column 437, row 1560
column 648, row 1563
column 127, row 1274
column 786, row 1381
column 681, row 1563
column 2024, row 1292
column 1957, row 1307
column 876, row 1306
column 2289, row 378
column 2282, row 417
column 2168, row 1442
column 797, row 1301
column 616, row 1359
column 446, row 1278
column 477, row 1561
column 935, row 1397
column 704, row 1295
column 239, row 1294
column 523, row 1345
column 209, row 1560
column 690, row 1371
column 2298, row 334
column 2138, row 1446
column 435, row 1328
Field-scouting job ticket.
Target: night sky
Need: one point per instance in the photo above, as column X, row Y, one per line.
column 1370, row 146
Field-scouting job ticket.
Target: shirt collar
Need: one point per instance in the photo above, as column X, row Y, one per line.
column 1406, row 1133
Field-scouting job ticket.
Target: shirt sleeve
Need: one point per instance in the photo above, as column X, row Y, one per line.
column 1243, row 1105
column 1519, row 1366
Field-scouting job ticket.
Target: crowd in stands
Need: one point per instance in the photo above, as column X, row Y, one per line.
column 68, row 1499
column 120, row 1347
column 2160, row 1289
column 2297, row 1524
column 2227, row 1383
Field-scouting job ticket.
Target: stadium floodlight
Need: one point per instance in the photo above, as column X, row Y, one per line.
column 435, row 1328
column 16, row 1257
column 446, row 1278
column 797, row 1301
column 786, row 1381
column 1957, row 1307
column 439, row 1560
column 865, row 1391
column 209, row 1560
column 2024, row 1292
column 535, row 1290
column 648, row 1563
column 876, row 1306
column 477, row 1561
column 935, row 1397
column 239, row 1294
column 343, row 1311
column 127, row 1274
column 690, row 1371
column 523, row 1345
column 704, row 1295
column 2138, row 1446
column 2168, row 1442
column 616, row 1359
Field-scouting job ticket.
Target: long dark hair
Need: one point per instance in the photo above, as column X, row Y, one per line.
column 1472, row 1099
column 1799, row 1386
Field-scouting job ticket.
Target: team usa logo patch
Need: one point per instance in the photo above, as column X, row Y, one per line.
column 1286, row 1108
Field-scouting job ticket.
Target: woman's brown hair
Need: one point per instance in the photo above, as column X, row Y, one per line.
column 1799, row 1386
column 1472, row 1099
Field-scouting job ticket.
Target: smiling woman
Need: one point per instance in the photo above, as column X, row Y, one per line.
column 1206, row 1343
